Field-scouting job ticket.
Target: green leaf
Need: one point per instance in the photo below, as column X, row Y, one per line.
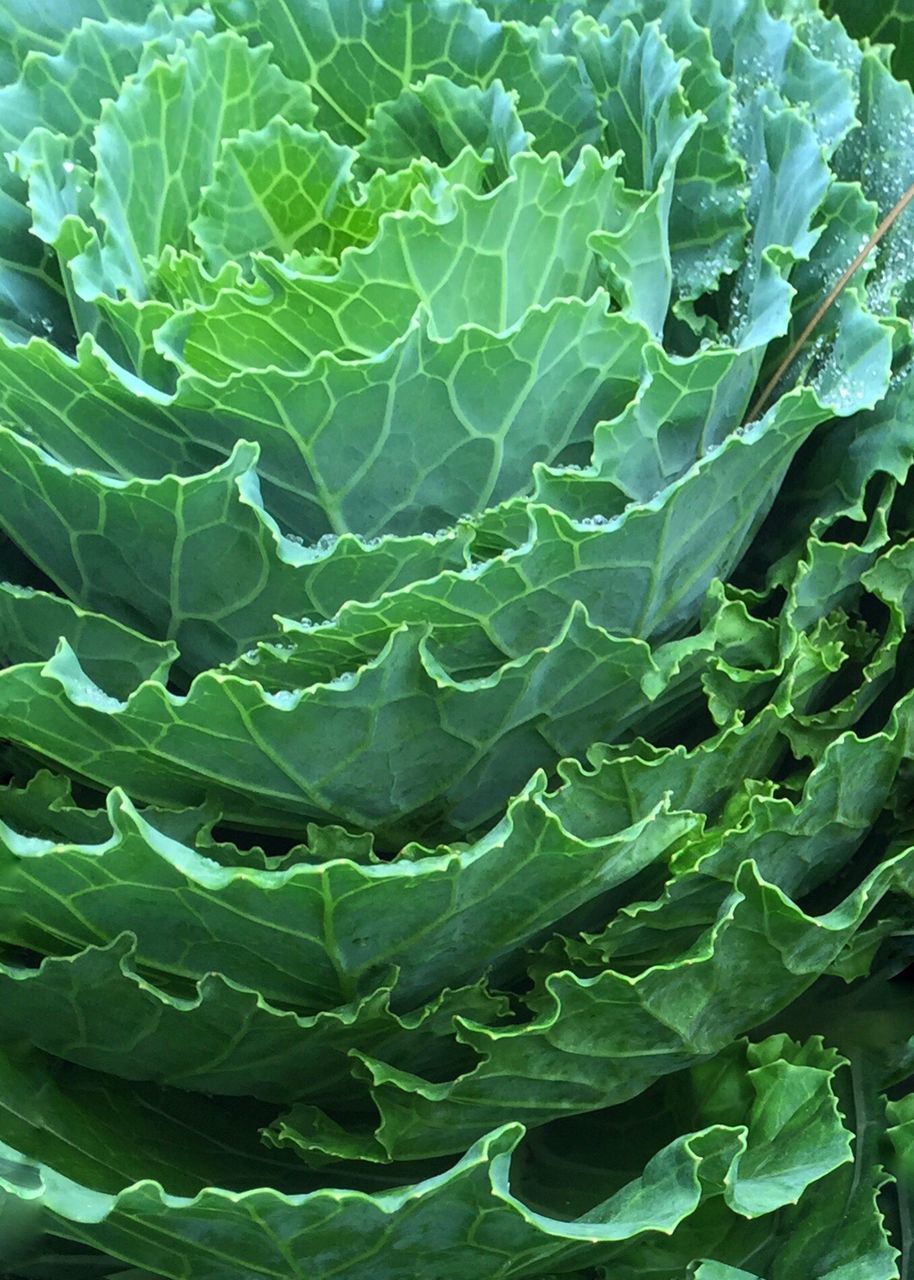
column 437, row 119
column 794, row 1128
column 284, row 189
column 62, row 91
column 88, row 412
column 864, row 454
column 399, row 1231
column 412, row 439
column 276, row 189
column 602, row 1039
column 637, row 83
column 112, row 1133
column 32, row 622
column 522, row 597
column 354, row 59
column 175, row 114
column 288, row 318
column 243, row 922
column 285, row 287
column 146, row 553
column 44, row 806
column 806, row 68
column 839, row 1231
column 95, row 1009
column 900, row 1117
column 857, row 365
column 796, row 845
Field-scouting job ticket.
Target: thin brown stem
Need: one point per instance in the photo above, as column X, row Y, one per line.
column 885, row 225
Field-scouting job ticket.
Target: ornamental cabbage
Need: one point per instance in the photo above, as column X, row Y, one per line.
column 457, row 531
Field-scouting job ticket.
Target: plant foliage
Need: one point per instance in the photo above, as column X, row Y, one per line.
column 457, row 810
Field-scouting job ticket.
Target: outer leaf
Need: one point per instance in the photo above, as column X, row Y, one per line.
column 96, row 1010
column 523, row 596
column 796, row 846
column 599, row 1040
column 512, row 1239
column 32, row 622
column 838, row 1232
column 388, row 1235
column 111, row 1133
column 316, row 935
column 89, row 413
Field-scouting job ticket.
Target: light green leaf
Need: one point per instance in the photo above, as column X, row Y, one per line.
column 468, row 261
column 707, row 227
column 653, row 442
column 637, row 83
column 175, row 115
column 26, row 27
column 355, row 58
column 284, row 189
column 276, row 189
column 879, row 155
column 411, row 440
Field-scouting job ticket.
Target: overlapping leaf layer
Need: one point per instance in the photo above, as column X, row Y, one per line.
column 457, row 804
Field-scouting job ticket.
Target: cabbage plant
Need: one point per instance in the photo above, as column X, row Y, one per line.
column 457, row 682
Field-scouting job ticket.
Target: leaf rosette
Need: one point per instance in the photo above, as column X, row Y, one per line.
column 457, row 793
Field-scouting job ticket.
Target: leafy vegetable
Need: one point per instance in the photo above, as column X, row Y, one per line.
column 457, row 543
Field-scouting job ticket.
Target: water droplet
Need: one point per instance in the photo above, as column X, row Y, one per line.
column 345, row 680
column 283, row 699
